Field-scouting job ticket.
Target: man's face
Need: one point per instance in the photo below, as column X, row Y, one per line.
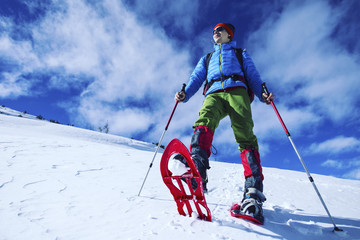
column 220, row 35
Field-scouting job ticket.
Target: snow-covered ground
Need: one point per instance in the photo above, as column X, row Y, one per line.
column 62, row 182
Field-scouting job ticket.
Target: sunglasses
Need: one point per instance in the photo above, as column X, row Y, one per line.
column 219, row 29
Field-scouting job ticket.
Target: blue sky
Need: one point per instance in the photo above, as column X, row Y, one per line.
column 89, row 63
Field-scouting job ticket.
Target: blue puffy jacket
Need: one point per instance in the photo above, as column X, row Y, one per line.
column 224, row 63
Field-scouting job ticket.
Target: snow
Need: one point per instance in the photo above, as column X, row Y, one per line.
column 61, row 182
column 176, row 167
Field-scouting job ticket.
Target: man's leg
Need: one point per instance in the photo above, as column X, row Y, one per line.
column 209, row 117
column 242, row 124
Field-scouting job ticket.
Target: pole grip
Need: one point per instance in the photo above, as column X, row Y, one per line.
column 172, row 113
column 264, row 88
column 183, row 88
column 266, row 91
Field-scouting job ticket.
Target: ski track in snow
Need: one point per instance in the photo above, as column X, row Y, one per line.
column 60, row 182
column 3, row 184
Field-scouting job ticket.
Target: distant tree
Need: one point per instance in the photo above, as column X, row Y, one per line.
column 40, row 117
column 161, row 146
column 105, row 128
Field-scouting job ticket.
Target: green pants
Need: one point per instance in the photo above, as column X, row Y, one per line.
column 235, row 104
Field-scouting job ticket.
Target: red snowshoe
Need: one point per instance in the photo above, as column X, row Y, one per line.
column 182, row 186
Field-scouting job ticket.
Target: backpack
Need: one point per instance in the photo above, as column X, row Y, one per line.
column 238, row 53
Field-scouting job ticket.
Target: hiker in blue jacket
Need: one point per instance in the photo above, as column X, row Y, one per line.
column 226, row 94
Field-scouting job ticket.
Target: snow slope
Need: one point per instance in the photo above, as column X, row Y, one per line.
column 62, row 182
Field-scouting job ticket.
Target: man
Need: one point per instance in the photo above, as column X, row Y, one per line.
column 226, row 95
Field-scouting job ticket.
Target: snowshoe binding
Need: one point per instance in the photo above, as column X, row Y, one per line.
column 250, row 207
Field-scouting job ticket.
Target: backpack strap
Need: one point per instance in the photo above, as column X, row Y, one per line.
column 208, row 57
column 238, row 53
column 207, row 61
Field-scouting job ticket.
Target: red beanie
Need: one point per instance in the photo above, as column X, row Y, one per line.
column 229, row 28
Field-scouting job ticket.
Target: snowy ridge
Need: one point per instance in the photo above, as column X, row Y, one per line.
column 62, row 182
column 12, row 112
column 34, row 127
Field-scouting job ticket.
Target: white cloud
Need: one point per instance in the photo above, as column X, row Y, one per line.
column 354, row 166
column 353, row 174
column 127, row 121
column 340, row 144
column 12, row 86
column 171, row 15
column 18, row 57
column 304, row 64
column 18, row 52
column 333, row 164
column 351, row 167
column 122, row 64
column 296, row 120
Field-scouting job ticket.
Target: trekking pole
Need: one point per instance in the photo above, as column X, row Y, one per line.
column 266, row 91
column 161, row 138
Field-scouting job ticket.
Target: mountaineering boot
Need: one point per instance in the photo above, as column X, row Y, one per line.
column 250, row 159
column 250, row 207
column 200, row 149
column 202, row 171
column 178, row 166
column 180, row 158
column 251, row 204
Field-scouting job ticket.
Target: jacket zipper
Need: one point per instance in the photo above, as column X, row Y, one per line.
column 221, row 63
